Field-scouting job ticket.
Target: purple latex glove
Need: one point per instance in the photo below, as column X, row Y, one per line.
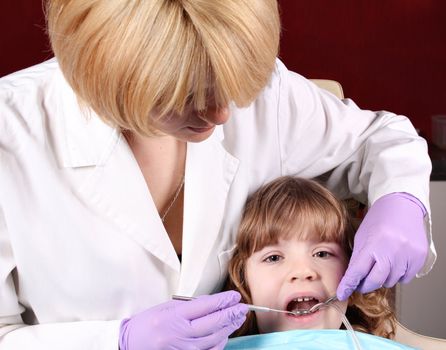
column 202, row 323
column 390, row 245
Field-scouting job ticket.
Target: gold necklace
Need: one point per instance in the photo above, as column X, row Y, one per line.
column 177, row 193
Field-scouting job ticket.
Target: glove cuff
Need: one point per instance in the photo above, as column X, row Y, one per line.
column 410, row 197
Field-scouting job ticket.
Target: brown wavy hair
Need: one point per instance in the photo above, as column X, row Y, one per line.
column 273, row 212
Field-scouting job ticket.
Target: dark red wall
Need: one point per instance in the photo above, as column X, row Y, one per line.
column 387, row 54
column 22, row 35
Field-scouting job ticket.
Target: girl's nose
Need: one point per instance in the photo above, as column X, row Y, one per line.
column 302, row 272
column 215, row 115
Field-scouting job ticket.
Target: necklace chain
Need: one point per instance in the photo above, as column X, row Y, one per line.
column 177, row 193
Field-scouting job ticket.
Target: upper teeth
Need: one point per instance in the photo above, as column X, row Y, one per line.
column 303, row 299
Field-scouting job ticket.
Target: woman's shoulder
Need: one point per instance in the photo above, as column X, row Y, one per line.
column 287, row 77
column 30, row 104
column 28, row 96
column 22, row 90
column 285, row 89
column 30, row 77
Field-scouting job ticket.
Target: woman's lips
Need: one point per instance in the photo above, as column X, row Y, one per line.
column 200, row 130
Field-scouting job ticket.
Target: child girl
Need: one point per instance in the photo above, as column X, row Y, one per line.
column 293, row 246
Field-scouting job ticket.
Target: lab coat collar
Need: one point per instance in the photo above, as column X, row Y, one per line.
column 210, row 171
column 118, row 191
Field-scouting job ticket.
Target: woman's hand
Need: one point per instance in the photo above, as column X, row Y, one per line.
column 202, row 323
column 390, row 246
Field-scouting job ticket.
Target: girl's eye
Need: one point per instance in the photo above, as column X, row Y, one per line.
column 273, row 258
column 322, row 254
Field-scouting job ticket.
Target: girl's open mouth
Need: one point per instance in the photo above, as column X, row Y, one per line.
column 301, row 303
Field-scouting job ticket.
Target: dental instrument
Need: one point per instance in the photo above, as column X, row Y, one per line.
column 327, row 302
column 251, row 307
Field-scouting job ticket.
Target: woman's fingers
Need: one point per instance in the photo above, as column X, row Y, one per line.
column 207, row 304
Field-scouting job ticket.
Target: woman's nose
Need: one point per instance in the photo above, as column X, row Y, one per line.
column 215, row 115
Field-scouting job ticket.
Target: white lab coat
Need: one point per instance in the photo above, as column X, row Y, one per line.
column 81, row 243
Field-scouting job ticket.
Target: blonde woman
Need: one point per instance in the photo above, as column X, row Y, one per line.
column 125, row 162
column 293, row 246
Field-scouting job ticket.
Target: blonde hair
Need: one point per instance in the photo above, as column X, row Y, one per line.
column 129, row 60
column 274, row 212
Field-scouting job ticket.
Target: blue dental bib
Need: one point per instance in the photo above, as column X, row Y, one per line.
column 331, row 339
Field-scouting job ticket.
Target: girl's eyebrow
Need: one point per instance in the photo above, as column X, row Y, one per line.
column 330, row 243
column 269, row 246
column 326, row 242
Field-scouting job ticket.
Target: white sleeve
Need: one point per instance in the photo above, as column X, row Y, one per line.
column 85, row 335
column 15, row 335
column 356, row 152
